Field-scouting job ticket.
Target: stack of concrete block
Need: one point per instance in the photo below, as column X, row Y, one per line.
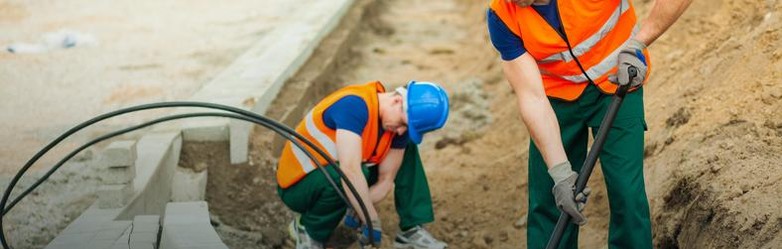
column 117, row 166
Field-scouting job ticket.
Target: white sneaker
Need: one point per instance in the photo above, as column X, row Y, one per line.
column 300, row 236
column 417, row 238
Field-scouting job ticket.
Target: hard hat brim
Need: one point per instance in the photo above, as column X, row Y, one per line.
column 413, row 134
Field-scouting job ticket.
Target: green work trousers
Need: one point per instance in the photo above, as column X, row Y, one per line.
column 322, row 209
column 622, row 163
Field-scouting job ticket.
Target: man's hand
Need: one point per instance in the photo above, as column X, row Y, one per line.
column 631, row 55
column 375, row 230
column 564, row 188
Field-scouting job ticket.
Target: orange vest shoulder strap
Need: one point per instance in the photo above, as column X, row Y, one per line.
column 507, row 14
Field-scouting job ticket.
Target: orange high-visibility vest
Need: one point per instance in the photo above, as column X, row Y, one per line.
column 597, row 31
column 294, row 163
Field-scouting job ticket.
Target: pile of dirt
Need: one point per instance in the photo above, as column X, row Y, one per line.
column 242, row 198
column 715, row 139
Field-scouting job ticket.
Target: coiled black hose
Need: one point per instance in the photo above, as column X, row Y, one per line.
column 281, row 129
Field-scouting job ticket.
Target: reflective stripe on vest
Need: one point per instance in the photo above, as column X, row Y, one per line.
column 320, row 139
column 590, row 42
column 294, row 163
column 597, row 30
column 595, row 71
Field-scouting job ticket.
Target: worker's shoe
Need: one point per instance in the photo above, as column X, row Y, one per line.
column 300, row 236
column 417, row 238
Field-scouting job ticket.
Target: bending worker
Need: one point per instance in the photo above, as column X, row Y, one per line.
column 564, row 60
column 366, row 130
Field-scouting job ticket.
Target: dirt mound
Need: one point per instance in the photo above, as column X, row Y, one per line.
column 714, row 145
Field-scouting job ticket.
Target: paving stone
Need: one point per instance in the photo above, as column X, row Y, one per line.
column 119, row 154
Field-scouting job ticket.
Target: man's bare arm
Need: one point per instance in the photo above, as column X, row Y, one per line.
column 349, row 155
column 536, row 112
column 386, row 175
column 663, row 14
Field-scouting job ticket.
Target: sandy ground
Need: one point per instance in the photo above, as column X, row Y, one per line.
column 38, row 218
column 125, row 53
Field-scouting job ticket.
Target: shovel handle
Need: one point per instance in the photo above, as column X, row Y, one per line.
column 589, row 163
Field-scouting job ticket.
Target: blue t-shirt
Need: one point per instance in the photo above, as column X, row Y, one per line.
column 509, row 44
column 351, row 113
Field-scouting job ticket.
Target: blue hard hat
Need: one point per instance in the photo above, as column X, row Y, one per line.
column 427, row 108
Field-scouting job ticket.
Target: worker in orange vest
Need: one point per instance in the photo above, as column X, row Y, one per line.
column 564, row 60
column 372, row 134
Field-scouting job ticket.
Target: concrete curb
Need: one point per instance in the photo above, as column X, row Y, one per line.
column 158, row 158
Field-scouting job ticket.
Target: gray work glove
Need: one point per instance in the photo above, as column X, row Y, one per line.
column 630, row 55
column 564, row 187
